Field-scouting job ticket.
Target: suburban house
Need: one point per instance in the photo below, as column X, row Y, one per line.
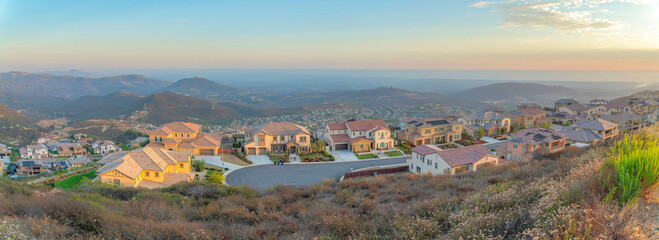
column 359, row 136
column 590, row 131
column 110, row 158
column 574, row 109
column 36, row 151
column 528, row 117
column 277, row 138
column 186, row 137
column 104, row 147
column 431, row 131
column 614, row 108
column 4, row 151
column 529, row 106
column 492, row 122
column 563, row 118
column 33, row 167
column 431, row 159
column 626, row 121
column 70, row 149
column 645, row 106
column 147, row 167
column 564, row 102
column 527, row 142
column 79, row 161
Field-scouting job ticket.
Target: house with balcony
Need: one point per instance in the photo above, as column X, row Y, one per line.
column 528, row 117
column 431, row 131
column 104, row 147
column 146, row 167
column 36, row 151
column 188, row 138
column 359, row 136
column 590, row 131
column 70, row 149
column 626, row 121
column 433, row 160
column 492, row 122
column 526, row 143
column 277, row 138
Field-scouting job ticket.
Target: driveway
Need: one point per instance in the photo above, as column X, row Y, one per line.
column 343, row 156
column 264, row 176
column 217, row 161
column 490, row 140
column 259, row 159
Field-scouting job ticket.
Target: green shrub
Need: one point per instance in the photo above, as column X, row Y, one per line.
column 198, row 165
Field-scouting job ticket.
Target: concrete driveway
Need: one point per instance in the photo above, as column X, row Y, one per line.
column 217, row 161
column 343, row 156
column 259, row 159
column 302, row 174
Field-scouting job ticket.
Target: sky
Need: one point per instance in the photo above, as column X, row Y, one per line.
column 570, row 35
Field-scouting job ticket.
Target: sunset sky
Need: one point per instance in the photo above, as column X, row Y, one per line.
column 355, row 34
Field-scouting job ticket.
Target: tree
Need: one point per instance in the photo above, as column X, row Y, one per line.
column 215, row 177
column 480, row 133
column 198, row 165
column 503, row 130
column 545, row 125
column 320, row 145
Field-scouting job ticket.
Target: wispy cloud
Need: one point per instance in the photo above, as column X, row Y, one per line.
column 564, row 15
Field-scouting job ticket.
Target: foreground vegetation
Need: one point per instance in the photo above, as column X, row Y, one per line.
column 565, row 197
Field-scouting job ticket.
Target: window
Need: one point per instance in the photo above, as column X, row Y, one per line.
column 157, row 174
column 147, row 174
column 435, row 165
column 515, row 146
column 117, row 182
column 361, row 146
column 381, row 144
column 175, row 135
column 158, row 139
column 188, row 135
column 429, row 162
column 427, row 131
column 303, row 139
column 418, row 169
column 181, row 165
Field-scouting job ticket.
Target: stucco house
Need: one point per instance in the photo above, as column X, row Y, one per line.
column 491, row 121
column 104, row 147
column 431, row 131
column 433, row 160
column 277, row 138
column 526, row 143
column 36, row 151
column 186, row 137
column 626, row 121
column 359, row 136
column 528, row 117
column 590, row 131
column 70, row 149
column 147, row 167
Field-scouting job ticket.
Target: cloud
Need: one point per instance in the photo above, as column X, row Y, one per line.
column 564, row 15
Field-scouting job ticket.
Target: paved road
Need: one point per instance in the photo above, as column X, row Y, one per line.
column 264, row 176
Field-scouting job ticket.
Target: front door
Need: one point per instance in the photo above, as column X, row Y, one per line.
column 292, row 149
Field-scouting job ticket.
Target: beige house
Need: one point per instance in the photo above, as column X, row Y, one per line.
column 186, row 137
column 277, row 138
column 147, row 167
column 359, row 136
column 431, row 131
column 433, row 160
column 526, row 143
column 626, row 121
column 492, row 122
column 529, row 117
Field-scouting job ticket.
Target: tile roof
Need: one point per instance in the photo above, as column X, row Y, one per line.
column 563, row 115
column 623, row 116
column 581, row 135
column 615, row 106
column 337, row 126
column 181, row 127
column 597, row 124
column 340, row 138
column 281, row 128
column 464, row 155
column 152, row 159
column 576, row 107
column 362, row 138
column 537, row 135
column 527, row 111
column 366, row 125
column 426, row 149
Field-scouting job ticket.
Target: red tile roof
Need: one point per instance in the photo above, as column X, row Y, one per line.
column 337, row 126
column 366, row 125
column 464, row 155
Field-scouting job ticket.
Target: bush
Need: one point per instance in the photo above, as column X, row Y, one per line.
column 198, row 165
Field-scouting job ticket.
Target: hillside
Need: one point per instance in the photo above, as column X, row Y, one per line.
column 10, row 117
column 162, row 108
column 514, row 92
column 46, row 85
column 203, row 88
column 382, row 96
column 647, row 94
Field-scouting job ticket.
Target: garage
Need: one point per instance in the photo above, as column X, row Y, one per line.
column 206, row 152
column 341, row 146
column 262, row 151
column 251, row 151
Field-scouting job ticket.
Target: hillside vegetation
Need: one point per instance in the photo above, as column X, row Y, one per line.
column 566, row 197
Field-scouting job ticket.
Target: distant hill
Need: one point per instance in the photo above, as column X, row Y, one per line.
column 514, row 92
column 162, row 108
column 72, row 72
column 47, row 85
column 647, row 94
column 382, row 96
column 203, row 88
column 10, row 117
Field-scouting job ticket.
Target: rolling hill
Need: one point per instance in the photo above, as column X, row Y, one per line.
column 514, row 92
column 10, row 117
column 204, row 88
column 46, row 85
column 382, row 96
column 162, row 108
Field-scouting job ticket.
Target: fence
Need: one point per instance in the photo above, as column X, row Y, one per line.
column 373, row 172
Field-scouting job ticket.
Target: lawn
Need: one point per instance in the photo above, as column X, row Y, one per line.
column 69, row 182
column 366, row 156
column 311, row 155
column 393, row 154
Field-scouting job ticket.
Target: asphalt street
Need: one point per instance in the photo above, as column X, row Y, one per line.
column 263, row 176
